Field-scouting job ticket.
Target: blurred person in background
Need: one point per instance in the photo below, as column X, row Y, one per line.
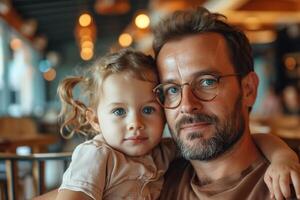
column 291, row 100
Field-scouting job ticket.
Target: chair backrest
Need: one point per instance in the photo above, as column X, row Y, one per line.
column 16, row 132
column 37, row 170
column 14, row 127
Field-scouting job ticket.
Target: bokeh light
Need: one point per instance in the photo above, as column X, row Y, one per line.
column 290, row 63
column 142, row 21
column 86, row 53
column 85, row 20
column 85, row 31
column 50, row 75
column 125, row 39
column 44, row 66
column 15, row 43
column 87, row 44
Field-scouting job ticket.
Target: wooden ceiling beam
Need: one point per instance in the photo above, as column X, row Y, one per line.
column 249, row 18
column 270, row 5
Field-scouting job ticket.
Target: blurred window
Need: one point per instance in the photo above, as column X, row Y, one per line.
column 20, row 77
column 1, row 58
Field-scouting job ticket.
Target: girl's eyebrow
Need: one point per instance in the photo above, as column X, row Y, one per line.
column 152, row 100
column 114, row 104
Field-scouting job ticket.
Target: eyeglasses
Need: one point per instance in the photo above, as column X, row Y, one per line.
column 204, row 87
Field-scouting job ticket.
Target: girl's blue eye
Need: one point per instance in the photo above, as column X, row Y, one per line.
column 119, row 111
column 148, row 110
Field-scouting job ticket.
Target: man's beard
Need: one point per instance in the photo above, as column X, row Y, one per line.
column 225, row 136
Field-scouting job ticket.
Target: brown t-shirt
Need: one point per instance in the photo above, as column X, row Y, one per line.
column 182, row 183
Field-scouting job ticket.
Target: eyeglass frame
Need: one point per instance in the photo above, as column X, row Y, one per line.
column 218, row 77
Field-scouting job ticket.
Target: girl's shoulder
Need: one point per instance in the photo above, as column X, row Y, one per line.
column 96, row 147
column 98, row 142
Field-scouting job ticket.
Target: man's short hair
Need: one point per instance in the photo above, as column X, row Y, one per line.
column 200, row 20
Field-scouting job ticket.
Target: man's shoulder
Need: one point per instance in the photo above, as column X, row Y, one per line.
column 179, row 183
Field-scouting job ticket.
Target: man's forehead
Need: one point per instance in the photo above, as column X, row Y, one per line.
column 205, row 49
column 189, row 42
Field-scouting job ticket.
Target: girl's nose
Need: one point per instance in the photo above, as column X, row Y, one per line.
column 136, row 124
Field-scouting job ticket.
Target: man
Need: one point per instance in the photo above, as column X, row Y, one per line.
column 208, row 87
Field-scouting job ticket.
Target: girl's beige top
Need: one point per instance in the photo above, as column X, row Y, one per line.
column 102, row 172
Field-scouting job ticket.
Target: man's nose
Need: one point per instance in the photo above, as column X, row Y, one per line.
column 189, row 102
column 135, row 123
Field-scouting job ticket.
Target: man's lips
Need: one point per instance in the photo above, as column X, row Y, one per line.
column 194, row 126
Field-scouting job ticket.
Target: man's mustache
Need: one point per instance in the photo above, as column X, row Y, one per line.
column 196, row 118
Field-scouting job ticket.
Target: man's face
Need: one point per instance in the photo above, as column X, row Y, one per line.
column 203, row 129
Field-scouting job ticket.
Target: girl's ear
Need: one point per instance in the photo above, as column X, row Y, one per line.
column 250, row 84
column 92, row 119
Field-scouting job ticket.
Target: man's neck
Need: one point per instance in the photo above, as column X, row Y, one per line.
column 235, row 160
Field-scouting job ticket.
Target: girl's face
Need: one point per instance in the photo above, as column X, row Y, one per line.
column 130, row 119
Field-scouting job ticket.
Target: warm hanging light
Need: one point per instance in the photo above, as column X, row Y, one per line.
column 125, row 40
column 87, row 44
column 142, row 21
column 111, row 7
column 85, row 33
column 86, row 53
column 86, row 38
column 290, row 63
column 85, row 20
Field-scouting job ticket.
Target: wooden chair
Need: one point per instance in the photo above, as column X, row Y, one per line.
column 38, row 159
column 16, row 132
column 288, row 129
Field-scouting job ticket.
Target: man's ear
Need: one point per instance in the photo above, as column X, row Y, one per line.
column 92, row 119
column 249, row 86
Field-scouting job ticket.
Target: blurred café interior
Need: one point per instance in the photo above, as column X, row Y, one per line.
column 42, row 41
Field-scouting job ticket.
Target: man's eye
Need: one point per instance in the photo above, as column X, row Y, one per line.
column 148, row 110
column 208, row 83
column 119, row 111
column 171, row 90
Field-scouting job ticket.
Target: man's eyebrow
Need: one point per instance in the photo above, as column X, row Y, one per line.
column 207, row 72
column 169, row 81
column 197, row 74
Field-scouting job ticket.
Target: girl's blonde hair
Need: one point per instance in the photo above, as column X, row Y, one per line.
column 74, row 110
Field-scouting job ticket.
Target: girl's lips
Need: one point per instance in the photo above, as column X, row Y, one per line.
column 136, row 138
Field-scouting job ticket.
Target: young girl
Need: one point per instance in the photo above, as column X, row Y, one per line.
column 126, row 159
